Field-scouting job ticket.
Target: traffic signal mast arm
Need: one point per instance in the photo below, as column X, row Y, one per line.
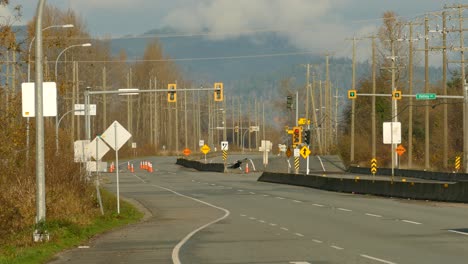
column 412, row 95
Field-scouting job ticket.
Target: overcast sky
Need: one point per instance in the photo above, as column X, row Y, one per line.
column 308, row 24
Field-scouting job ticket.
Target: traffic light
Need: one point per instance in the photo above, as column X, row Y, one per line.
column 171, row 94
column 396, row 95
column 218, row 92
column 352, row 94
column 307, row 137
column 297, row 136
column 289, row 102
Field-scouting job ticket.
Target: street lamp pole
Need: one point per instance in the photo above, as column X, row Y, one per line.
column 29, row 78
column 56, row 77
column 63, row 51
column 32, row 41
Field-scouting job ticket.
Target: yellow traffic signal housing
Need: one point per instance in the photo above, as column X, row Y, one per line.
column 396, row 95
column 297, row 135
column 218, row 92
column 171, row 94
column 352, row 94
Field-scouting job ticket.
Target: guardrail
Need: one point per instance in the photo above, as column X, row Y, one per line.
column 427, row 175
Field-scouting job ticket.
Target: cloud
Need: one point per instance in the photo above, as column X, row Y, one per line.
column 303, row 22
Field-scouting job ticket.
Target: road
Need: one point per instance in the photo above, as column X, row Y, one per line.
column 221, row 218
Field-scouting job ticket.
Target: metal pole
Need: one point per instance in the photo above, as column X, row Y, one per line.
column 394, row 109
column 465, row 92
column 353, row 103
column 297, row 108
column 87, row 117
column 426, row 90
column 374, row 87
column 410, row 84
column 117, row 168
column 40, row 167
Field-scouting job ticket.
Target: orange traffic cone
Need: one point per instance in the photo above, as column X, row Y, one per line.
column 128, row 165
column 111, row 168
column 246, row 168
column 150, row 169
column 131, row 168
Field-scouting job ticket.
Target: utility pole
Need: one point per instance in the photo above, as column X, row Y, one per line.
column 312, row 94
column 104, row 98
column 426, row 90
column 185, row 118
column 328, row 95
column 410, row 85
column 353, row 102
column 444, row 85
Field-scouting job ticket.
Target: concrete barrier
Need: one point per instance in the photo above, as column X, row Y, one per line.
column 446, row 192
column 214, row 167
column 427, row 175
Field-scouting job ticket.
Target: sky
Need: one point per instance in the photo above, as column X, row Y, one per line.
column 321, row 25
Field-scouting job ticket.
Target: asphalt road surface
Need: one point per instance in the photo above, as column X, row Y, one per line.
column 201, row 217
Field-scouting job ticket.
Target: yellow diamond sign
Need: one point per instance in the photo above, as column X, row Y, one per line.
column 205, row 149
column 305, row 152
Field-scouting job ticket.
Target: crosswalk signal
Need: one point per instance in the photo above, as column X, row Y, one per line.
column 218, row 92
column 296, row 136
column 352, row 94
column 171, row 93
column 396, row 95
column 307, row 137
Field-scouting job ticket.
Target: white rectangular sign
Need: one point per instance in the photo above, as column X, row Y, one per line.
column 49, row 99
column 97, row 148
column 80, row 109
column 116, row 130
column 224, row 145
column 81, row 150
column 297, row 152
column 201, row 142
column 93, row 166
column 392, row 133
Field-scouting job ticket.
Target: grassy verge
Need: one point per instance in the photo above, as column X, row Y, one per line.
column 64, row 234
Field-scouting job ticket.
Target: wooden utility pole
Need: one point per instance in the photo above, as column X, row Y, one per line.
column 327, row 104
column 444, row 85
column 104, row 98
column 314, row 116
column 374, row 91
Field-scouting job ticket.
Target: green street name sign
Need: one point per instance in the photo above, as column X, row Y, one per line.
column 426, row 96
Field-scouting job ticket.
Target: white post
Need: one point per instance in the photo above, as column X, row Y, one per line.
column 117, row 169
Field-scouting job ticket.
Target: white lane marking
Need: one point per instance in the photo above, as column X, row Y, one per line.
column 337, row 247
column 319, row 205
column 299, row 262
column 176, row 250
column 299, row 234
column 193, row 180
column 243, row 215
column 296, row 201
column 377, row 259
column 252, row 193
column 411, row 222
column 262, row 221
column 212, row 184
column 229, row 187
column 458, row 232
column 373, row 215
column 252, row 218
column 83, row 247
column 344, row 209
column 317, row 241
column 273, row 224
column 240, row 190
column 284, row 228
column 281, row 198
column 266, row 195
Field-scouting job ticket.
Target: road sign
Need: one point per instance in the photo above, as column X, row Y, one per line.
column 254, row 129
column 187, row 152
column 201, row 142
column 81, row 150
column 374, row 166
column 288, row 152
column 80, row 109
column 426, row 96
column 205, row 149
column 297, row 153
column 224, row 155
column 116, row 130
column 134, row 145
column 224, row 145
column 400, row 150
column 49, row 99
column 391, row 132
column 305, row 152
column 97, row 152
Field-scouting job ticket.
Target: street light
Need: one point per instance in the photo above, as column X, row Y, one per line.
column 56, row 62
column 32, row 41
column 69, row 47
